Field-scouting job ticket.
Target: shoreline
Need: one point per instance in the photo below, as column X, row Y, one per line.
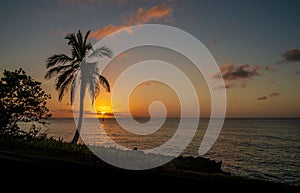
column 46, row 170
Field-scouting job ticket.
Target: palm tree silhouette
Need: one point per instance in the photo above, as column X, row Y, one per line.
column 70, row 69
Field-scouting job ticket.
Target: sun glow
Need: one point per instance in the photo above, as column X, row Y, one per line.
column 104, row 111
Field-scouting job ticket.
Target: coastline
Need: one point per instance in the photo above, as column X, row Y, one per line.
column 57, row 173
column 254, row 148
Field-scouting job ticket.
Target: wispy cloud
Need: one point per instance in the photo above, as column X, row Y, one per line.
column 143, row 15
column 234, row 72
column 273, row 94
column 140, row 16
column 230, row 85
column 270, row 69
column 291, row 55
column 236, row 75
column 109, row 29
column 262, row 98
column 63, row 110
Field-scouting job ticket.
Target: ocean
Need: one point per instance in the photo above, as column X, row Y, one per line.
column 267, row 149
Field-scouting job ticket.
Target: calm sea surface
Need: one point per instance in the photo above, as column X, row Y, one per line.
column 266, row 149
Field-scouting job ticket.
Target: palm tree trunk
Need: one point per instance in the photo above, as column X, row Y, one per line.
column 76, row 137
column 79, row 124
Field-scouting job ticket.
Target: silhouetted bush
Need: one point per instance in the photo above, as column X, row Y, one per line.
column 198, row 164
column 21, row 100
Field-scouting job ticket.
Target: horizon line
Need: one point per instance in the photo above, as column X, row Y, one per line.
column 246, row 117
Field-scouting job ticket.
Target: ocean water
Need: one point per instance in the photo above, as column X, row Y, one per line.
column 267, row 149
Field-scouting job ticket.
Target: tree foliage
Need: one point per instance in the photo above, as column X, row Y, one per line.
column 21, row 99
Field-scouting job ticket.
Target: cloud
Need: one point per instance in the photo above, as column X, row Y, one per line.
column 140, row 16
column 236, row 75
column 262, row 98
column 270, row 69
column 234, row 72
column 274, row 94
column 231, row 84
column 63, row 110
column 109, row 29
column 144, row 16
column 292, row 55
column 105, row 114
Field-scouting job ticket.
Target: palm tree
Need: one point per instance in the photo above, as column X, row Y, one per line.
column 68, row 69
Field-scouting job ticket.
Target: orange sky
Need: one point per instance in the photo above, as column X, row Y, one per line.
column 242, row 99
column 256, row 46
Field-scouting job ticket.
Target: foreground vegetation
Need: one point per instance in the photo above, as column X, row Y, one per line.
column 44, row 157
column 40, row 145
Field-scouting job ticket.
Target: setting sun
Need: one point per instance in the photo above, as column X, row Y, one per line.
column 104, row 110
column 185, row 95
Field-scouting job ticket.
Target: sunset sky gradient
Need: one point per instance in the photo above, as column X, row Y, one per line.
column 255, row 43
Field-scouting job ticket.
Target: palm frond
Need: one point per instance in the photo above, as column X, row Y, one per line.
column 84, row 46
column 97, row 90
column 81, row 46
column 100, row 52
column 86, row 37
column 66, row 68
column 104, row 82
column 94, row 84
column 72, row 39
column 87, row 48
column 58, row 59
column 63, row 76
column 65, row 85
column 57, row 69
column 74, row 44
column 79, row 39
